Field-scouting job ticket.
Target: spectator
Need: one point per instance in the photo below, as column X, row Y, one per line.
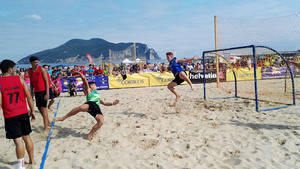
column 50, row 70
column 22, row 73
column 72, row 88
column 115, row 71
column 56, row 90
column 237, row 64
column 249, row 63
column 244, row 62
column 162, row 68
column 189, row 66
column 155, row 68
column 98, row 71
column 90, row 71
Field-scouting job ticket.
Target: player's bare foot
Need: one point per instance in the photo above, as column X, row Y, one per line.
column 193, row 88
column 177, row 98
column 58, row 119
column 89, row 137
column 46, row 133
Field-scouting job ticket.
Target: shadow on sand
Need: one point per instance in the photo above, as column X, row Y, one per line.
column 8, row 163
column 256, row 126
column 138, row 115
column 65, row 132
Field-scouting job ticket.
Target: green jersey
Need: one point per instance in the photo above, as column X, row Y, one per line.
column 94, row 96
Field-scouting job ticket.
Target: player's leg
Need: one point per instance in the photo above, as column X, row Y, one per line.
column 183, row 76
column 41, row 104
column 20, row 152
column 82, row 108
column 51, row 98
column 51, row 103
column 100, row 121
column 44, row 112
column 29, row 148
column 171, row 87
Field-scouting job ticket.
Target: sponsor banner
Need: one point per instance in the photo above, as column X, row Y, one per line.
column 160, row 79
column 210, row 76
column 243, row 74
column 275, row 72
column 134, row 80
column 101, row 82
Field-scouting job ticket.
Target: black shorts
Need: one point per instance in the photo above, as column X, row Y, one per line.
column 177, row 79
column 94, row 109
column 39, row 99
column 51, row 94
column 17, row 126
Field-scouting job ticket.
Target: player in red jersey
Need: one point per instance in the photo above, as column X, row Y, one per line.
column 40, row 89
column 13, row 95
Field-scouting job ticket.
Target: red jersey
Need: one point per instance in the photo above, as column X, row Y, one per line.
column 13, row 96
column 36, row 79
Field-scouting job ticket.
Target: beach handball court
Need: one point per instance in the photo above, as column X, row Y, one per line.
column 147, row 131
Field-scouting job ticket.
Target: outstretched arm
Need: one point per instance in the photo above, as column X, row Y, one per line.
column 181, row 61
column 108, row 103
column 85, row 83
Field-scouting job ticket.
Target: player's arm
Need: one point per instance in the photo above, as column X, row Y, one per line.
column 44, row 74
column 181, row 61
column 108, row 103
column 85, row 82
column 29, row 99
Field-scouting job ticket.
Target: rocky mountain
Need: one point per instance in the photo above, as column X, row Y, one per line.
column 75, row 51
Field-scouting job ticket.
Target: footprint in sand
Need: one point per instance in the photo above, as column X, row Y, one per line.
column 148, row 143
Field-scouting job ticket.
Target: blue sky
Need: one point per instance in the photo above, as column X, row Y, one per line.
column 182, row 26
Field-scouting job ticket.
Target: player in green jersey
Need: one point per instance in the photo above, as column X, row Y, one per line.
column 92, row 105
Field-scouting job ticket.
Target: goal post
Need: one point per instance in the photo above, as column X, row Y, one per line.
column 252, row 51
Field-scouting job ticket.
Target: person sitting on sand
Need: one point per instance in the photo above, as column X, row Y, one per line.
column 92, row 106
column 178, row 72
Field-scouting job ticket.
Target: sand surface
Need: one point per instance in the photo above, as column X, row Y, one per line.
column 147, row 131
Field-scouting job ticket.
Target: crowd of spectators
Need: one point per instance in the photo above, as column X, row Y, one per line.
column 93, row 70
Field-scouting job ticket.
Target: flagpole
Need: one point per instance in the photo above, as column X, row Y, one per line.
column 134, row 50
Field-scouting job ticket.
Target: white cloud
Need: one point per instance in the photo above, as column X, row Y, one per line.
column 34, row 17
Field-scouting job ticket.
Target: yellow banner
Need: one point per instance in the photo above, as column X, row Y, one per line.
column 134, row 80
column 160, row 79
column 243, row 74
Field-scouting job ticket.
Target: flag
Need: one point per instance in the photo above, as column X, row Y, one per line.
column 90, row 58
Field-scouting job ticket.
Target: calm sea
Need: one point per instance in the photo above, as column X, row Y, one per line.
column 72, row 64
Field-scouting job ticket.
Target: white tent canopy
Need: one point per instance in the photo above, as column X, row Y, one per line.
column 138, row 60
column 127, row 61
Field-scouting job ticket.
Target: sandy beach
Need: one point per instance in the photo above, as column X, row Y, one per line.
column 145, row 130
